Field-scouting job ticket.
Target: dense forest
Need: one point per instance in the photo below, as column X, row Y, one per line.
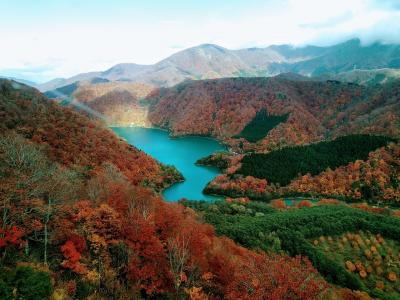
column 260, row 125
column 300, row 230
column 283, row 165
column 81, row 219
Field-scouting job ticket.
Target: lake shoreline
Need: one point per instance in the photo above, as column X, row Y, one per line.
column 172, row 136
column 182, row 153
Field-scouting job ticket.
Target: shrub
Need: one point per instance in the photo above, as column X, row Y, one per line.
column 5, row 291
column 31, row 284
column 278, row 203
column 304, row 203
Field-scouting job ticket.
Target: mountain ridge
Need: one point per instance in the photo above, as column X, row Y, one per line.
column 209, row 61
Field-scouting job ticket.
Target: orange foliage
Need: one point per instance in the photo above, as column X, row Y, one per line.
column 278, row 203
column 242, row 200
column 347, row 294
column 72, row 139
column 328, row 202
column 223, row 107
column 304, row 203
column 378, row 170
column 366, row 207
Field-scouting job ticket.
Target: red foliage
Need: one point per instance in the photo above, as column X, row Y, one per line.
column 257, row 276
column 12, row 236
column 148, row 268
column 71, row 287
column 79, row 242
column 72, row 257
column 70, row 253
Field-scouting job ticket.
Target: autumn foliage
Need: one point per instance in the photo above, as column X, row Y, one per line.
column 278, row 203
column 72, row 257
column 304, row 203
column 83, row 203
column 11, row 237
column 223, row 107
column 376, row 177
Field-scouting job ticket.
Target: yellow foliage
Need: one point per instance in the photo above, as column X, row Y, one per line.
column 60, row 294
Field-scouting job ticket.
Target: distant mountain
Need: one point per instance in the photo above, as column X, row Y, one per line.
column 210, row 61
column 68, row 90
column 59, row 82
column 24, row 81
column 366, row 77
column 343, row 57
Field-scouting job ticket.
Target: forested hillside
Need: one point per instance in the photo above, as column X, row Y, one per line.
column 351, row 168
column 315, row 110
column 282, row 166
column 81, row 219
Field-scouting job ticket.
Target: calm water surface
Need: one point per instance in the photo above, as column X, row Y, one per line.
column 180, row 152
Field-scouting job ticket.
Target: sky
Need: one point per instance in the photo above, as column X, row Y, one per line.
column 45, row 39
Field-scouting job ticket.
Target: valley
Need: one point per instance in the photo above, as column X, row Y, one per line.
column 258, row 173
column 82, row 217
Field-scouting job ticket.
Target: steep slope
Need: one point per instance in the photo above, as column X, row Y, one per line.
column 316, row 110
column 114, row 102
column 211, row 61
column 61, row 130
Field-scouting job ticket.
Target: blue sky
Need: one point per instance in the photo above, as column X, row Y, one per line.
column 44, row 39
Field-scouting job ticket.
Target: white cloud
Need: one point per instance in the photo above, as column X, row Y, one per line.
column 44, row 50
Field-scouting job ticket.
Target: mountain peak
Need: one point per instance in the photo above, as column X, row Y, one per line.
column 207, row 61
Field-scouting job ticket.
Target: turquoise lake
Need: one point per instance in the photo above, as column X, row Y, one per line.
column 180, row 152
